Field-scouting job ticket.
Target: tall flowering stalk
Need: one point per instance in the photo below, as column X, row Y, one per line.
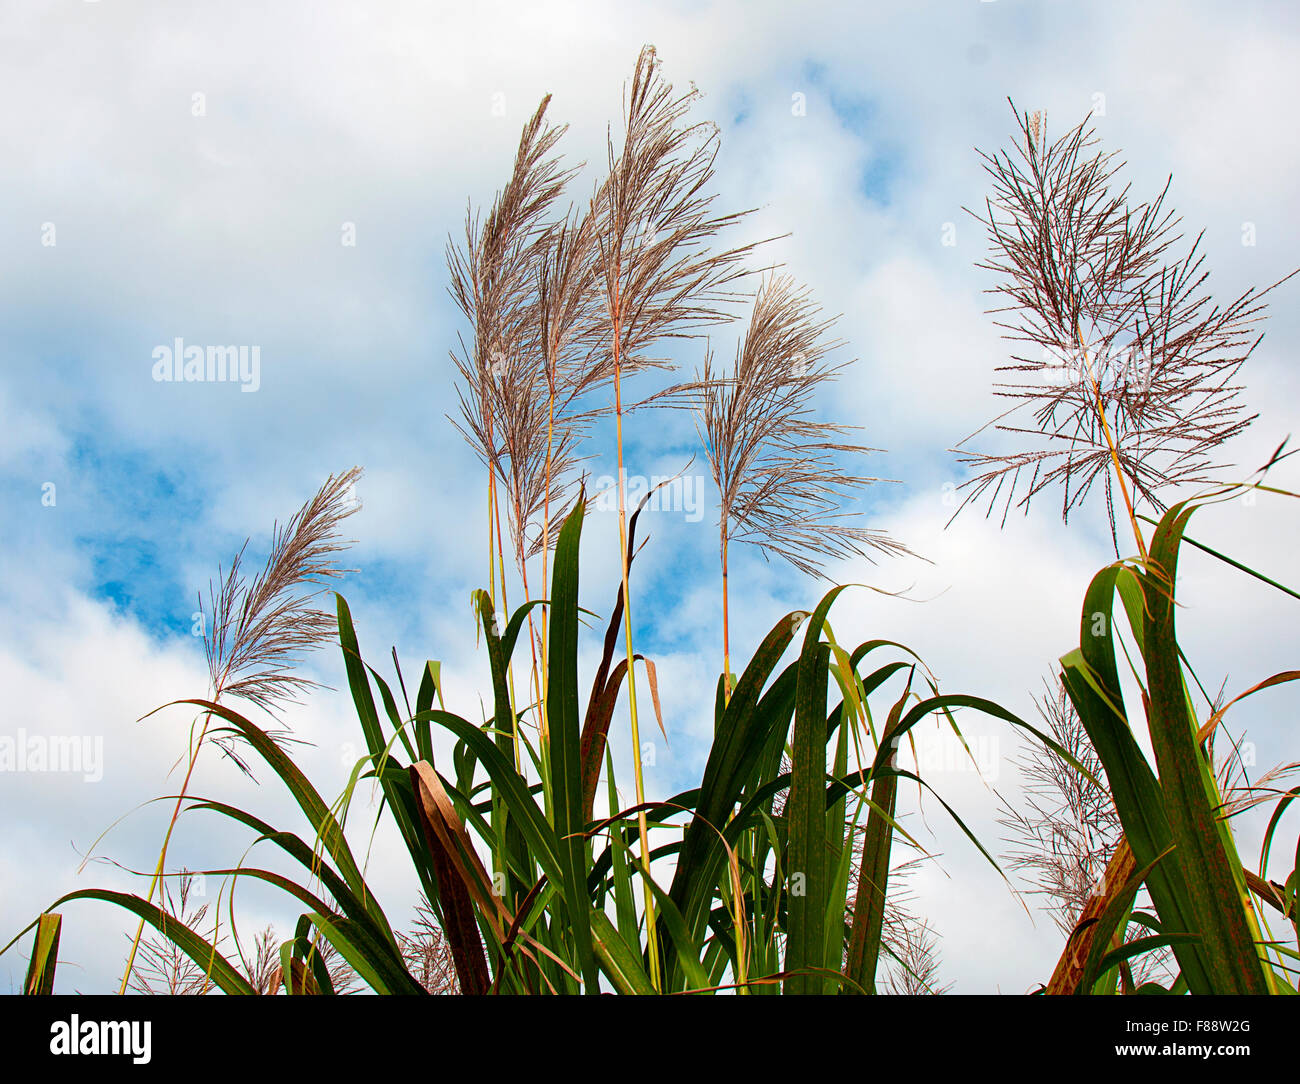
column 260, row 628
column 776, row 467
column 1126, row 366
column 493, row 283
column 659, row 279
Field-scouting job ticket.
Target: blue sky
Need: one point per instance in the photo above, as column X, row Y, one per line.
column 198, row 164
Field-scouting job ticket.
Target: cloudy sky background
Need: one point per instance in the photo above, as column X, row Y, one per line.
column 226, row 227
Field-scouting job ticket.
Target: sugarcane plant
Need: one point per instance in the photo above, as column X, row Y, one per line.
column 255, row 631
column 493, row 273
column 530, row 872
column 1134, row 384
column 563, row 310
column 759, row 896
column 776, row 466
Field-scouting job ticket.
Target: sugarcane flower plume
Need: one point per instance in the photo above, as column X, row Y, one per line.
column 659, row 276
column 255, row 631
column 775, row 465
column 1121, row 353
column 519, row 281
